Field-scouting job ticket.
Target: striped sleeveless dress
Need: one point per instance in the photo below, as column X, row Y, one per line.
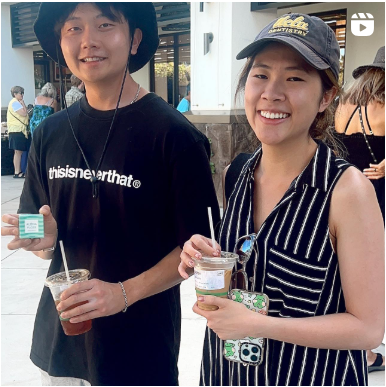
column 295, row 265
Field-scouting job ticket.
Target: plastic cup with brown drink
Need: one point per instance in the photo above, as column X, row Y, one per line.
column 212, row 276
column 58, row 283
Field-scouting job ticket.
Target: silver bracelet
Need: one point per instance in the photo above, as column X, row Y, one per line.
column 125, row 297
column 54, row 246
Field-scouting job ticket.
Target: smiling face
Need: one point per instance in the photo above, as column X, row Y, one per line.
column 95, row 47
column 283, row 95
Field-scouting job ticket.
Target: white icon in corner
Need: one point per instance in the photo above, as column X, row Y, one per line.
column 362, row 25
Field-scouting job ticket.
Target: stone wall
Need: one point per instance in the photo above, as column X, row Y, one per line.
column 228, row 140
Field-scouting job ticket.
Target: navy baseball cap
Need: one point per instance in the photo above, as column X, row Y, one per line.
column 310, row 36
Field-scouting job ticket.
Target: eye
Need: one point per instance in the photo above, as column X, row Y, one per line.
column 260, row 76
column 71, row 29
column 295, row 79
column 105, row 25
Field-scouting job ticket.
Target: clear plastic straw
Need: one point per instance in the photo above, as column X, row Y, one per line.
column 64, row 261
column 211, row 226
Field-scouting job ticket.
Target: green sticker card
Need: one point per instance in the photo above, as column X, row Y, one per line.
column 31, row 226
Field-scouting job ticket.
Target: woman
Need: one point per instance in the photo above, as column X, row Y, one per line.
column 45, row 105
column 314, row 216
column 360, row 123
column 17, row 123
column 365, row 142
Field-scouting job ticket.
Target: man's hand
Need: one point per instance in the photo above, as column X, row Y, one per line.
column 100, row 299
column 232, row 321
column 50, row 232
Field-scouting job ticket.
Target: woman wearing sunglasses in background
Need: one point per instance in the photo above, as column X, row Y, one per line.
column 317, row 230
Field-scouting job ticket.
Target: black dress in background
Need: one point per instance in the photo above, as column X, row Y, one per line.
column 359, row 155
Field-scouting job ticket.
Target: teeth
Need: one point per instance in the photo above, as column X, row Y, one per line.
column 92, row 59
column 273, row 115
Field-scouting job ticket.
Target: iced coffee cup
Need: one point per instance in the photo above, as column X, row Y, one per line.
column 212, row 276
column 58, row 283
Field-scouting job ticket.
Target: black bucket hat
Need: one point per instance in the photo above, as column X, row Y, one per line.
column 379, row 62
column 310, row 36
column 143, row 14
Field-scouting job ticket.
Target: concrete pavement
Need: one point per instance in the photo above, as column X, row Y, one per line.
column 23, row 276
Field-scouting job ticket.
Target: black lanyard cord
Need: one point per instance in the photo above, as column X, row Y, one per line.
column 94, row 179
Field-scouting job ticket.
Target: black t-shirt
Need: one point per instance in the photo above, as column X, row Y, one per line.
column 155, row 188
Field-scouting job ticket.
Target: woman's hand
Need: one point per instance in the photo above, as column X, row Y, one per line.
column 232, row 321
column 376, row 171
column 99, row 299
column 50, row 232
column 195, row 247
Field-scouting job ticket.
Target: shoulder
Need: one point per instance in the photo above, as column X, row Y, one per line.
column 353, row 199
column 353, row 185
column 16, row 105
column 170, row 122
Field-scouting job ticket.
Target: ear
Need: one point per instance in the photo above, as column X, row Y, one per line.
column 136, row 41
column 328, row 97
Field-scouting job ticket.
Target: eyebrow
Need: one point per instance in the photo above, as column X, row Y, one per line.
column 290, row 68
column 72, row 18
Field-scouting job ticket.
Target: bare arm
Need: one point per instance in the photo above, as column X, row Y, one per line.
column 356, row 221
column 105, row 299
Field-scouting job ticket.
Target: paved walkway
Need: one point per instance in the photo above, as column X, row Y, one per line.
column 23, row 275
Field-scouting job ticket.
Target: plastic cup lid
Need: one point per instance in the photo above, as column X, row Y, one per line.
column 225, row 258
column 59, row 279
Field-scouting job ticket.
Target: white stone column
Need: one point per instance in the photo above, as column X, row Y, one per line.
column 214, row 75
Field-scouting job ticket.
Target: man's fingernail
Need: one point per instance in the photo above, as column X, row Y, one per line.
column 185, row 276
column 200, row 298
column 191, row 263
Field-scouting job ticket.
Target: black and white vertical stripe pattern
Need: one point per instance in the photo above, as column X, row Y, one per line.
column 295, row 265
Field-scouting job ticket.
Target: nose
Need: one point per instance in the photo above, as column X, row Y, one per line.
column 273, row 91
column 89, row 38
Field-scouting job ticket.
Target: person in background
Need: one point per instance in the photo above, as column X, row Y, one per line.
column 17, row 123
column 76, row 92
column 24, row 156
column 360, row 126
column 184, row 105
column 45, row 105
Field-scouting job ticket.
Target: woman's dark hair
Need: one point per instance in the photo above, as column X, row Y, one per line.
column 113, row 11
column 323, row 126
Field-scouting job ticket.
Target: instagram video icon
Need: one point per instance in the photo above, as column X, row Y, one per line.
column 362, row 25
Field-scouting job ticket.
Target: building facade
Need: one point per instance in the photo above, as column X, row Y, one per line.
column 199, row 42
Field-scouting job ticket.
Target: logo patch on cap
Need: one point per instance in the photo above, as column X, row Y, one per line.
column 290, row 26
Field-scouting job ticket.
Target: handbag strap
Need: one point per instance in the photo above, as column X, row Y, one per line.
column 365, row 136
column 26, row 125
column 233, row 173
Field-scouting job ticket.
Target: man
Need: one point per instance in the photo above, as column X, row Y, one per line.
column 76, row 91
column 184, row 105
column 123, row 185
